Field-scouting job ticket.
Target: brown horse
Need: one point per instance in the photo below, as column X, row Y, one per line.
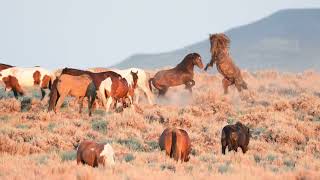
column 96, row 77
column 181, row 74
column 5, row 66
column 176, row 143
column 77, row 86
column 220, row 55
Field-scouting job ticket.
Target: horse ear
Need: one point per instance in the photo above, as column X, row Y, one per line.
column 136, row 72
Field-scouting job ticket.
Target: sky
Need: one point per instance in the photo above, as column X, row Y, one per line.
column 101, row 33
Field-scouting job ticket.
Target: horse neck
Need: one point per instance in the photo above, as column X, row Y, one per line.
column 187, row 68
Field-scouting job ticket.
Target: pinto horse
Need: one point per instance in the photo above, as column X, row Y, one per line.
column 142, row 84
column 17, row 78
column 94, row 154
column 114, row 91
column 77, row 86
column 97, row 78
column 181, row 74
column 5, row 66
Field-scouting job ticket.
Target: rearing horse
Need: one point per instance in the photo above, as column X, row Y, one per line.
column 181, row 74
column 226, row 67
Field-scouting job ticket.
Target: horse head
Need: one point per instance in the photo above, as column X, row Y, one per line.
column 135, row 78
column 219, row 43
column 198, row 61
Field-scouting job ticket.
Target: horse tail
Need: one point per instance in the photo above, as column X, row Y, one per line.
column 150, row 82
column 173, row 151
column 91, row 90
column 54, row 95
column 91, row 95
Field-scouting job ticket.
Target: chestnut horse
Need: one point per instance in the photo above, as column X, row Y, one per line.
column 77, row 86
column 181, row 74
column 114, row 91
column 96, row 77
column 220, row 55
column 5, row 66
column 176, row 143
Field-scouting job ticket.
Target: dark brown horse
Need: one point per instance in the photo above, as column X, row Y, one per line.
column 220, row 55
column 4, row 66
column 181, row 74
column 97, row 78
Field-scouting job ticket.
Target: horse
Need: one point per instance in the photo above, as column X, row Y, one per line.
column 5, row 66
column 181, row 74
column 96, row 77
column 220, row 55
column 114, row 91
column 142, row 85
column 17, row 78
column 94, row 154
column 234, row 136
column 176, row 143
column 77, row 86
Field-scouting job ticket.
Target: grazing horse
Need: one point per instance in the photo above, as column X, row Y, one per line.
column 220, row 55
column 77, row 86
column 17, row 78
column 114, row 91
column 234, row 136
column 94, row 154
column 5, row 66
column 96, row 77
column 181, row 74
column 176, row 143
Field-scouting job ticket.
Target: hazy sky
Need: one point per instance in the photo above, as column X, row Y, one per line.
column 83, row 33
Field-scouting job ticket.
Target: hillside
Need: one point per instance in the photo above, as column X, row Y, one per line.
column 286, row 40
column 282, row 111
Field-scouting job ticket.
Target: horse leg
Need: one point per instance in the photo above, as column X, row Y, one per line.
column 60, row 101
column 189, row 85
column 108, row 104
column 15, row 93
column 43, row 93
column 163, row 91
column 149, row 94
column 226, row 83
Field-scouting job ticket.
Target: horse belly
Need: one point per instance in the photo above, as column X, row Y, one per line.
column 25, row 81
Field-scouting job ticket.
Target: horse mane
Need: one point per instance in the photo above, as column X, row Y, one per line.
column 219, row 41
column 187, row 60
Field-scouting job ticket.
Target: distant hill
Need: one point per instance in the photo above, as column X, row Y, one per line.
column 288, row 40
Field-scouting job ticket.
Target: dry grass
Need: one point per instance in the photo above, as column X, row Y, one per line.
column 282, row 110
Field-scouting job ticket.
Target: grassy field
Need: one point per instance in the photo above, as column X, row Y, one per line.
column 282, row 110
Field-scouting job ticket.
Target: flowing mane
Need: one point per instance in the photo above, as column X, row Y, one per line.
column 219, row 41
column 187, row 60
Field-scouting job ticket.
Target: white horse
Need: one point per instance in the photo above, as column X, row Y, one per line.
column 27, row 77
